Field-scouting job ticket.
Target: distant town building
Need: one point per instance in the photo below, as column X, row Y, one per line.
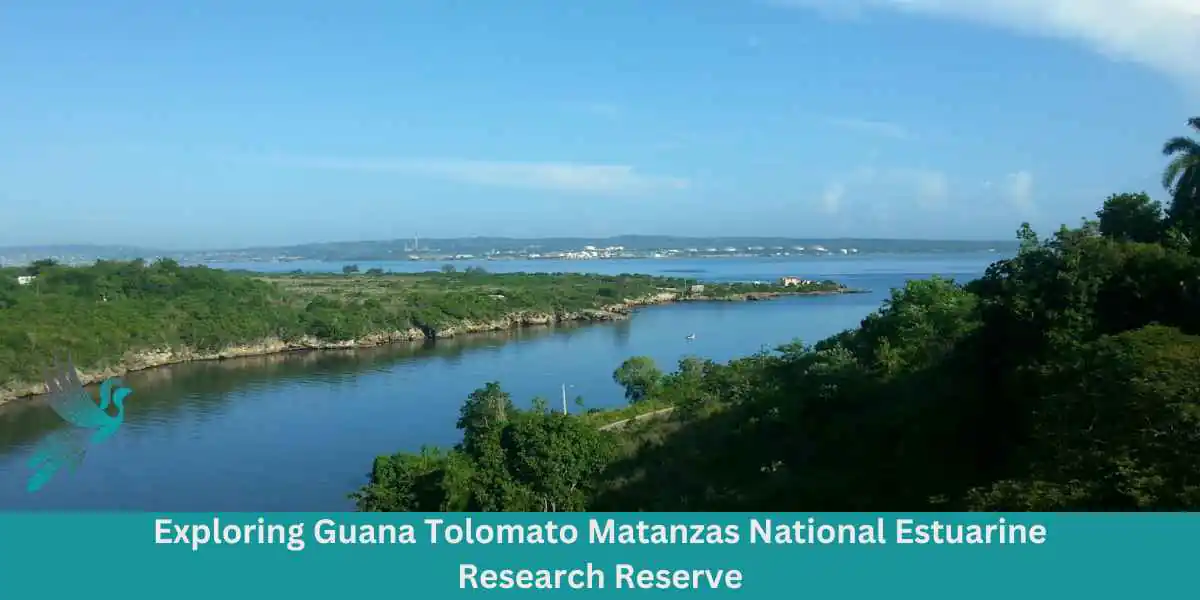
column 25, row 279
column 697, row 289
column 791, row 281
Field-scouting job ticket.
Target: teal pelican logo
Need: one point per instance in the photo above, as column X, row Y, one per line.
column 90, row 422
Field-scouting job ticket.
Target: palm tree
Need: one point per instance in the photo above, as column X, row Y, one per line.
column 1185, row 161
column 1182, row 179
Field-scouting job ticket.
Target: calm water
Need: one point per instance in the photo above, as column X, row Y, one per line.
column 297, row 432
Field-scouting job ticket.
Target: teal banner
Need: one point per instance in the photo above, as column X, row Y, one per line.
column 598, row 555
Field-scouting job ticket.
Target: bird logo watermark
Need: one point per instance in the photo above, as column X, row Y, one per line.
column 89, row 421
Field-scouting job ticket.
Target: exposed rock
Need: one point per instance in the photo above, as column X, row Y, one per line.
column 158, row 357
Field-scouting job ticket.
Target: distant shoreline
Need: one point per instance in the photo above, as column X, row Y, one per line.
column 155, row 358
column 221, row 260
column 485, row 259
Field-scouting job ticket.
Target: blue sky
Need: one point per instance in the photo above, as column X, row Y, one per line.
column 232, row 123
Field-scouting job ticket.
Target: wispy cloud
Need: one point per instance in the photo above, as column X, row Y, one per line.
column 831, row 199
column 872, row 127
column 929, row 189
column 875, row 191
column 1161, row 34
column 1019, row 187
column 933, row 188
column 550, row 176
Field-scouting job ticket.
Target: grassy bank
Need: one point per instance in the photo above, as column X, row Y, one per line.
column 114, row 317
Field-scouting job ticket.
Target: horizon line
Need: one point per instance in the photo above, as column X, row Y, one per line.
column 507, row 238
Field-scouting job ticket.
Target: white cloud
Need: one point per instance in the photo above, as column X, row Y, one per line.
column 1160, row 34
column 868, row 126
column 831, row 199
column 1020, row 192
column 880, row 191
column 559, row 177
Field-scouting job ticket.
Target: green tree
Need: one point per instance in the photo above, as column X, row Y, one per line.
column 918, row 325
column 555, row 457
column 37, row 267
column 1027, row 237
column 1181, row 178
column 639, row 376
column 1114, row 430
column 429, row 481
column 349, row 269
column 486, row 410
column 510, row 460
column 1185, row 159
column 404, row 482
column 1132, row 218
column 449, row 269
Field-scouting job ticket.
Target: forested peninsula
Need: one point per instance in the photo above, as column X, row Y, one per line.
column 1067, row 378
column 117, row 316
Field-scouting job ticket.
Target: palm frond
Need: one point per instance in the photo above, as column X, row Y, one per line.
column 1181, row 145
column 1172, row 173
column 1194, row 123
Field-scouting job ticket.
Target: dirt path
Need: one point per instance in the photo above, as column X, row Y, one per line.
column 622, row 422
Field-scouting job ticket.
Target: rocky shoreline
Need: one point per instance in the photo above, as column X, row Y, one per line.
column 149, row 359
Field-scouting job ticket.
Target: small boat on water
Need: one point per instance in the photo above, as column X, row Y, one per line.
column 691, row 336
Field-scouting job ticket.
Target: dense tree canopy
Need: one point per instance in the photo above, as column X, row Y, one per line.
column 510, row 459
column 1131, row 217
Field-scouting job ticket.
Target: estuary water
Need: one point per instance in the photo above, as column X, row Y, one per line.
column 298, row 431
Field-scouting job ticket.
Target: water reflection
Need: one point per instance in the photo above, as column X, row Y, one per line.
column 204, row 387
column 621, row 331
